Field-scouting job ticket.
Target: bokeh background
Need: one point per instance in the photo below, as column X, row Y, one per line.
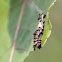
column 52, row 51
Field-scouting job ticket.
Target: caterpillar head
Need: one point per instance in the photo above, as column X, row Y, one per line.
column 41, row 15
column 38, row 45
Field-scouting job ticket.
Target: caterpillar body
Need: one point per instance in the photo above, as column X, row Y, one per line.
column 39, row 31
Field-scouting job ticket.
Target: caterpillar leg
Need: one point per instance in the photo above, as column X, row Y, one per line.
column 34, row 47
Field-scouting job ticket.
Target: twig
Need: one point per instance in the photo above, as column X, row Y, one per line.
column 17, row 30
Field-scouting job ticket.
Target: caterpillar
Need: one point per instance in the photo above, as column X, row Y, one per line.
column 39, row 31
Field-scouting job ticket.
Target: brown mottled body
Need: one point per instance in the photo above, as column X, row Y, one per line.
column 39, row 31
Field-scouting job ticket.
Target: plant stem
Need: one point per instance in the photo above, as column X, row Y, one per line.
column 17, row 30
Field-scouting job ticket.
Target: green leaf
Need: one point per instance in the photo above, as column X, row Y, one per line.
column 47, row 31
column 47, row 27
column 8, row 23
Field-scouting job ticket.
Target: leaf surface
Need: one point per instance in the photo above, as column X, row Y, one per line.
column 8, row 23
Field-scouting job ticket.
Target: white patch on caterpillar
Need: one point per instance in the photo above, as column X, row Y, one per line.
column 39, row 31
column 40, row 25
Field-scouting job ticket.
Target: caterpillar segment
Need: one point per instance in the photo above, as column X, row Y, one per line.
column 39, row 31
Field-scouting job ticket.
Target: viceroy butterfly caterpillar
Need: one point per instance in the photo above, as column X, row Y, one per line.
column 39, row 31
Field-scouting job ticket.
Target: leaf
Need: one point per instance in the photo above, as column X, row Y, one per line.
column 47, row 31
column 8, row 23
column 47, row 27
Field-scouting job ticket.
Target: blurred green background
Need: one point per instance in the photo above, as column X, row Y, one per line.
column 52, row 51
